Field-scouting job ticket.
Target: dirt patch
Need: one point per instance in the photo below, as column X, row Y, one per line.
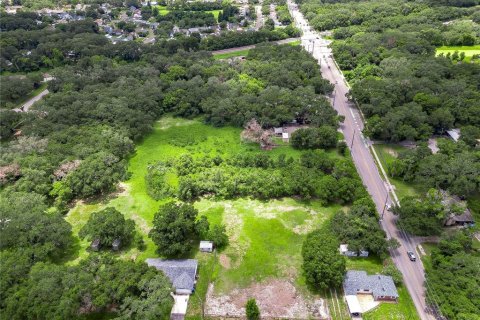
column 234, row 225
column 141, row 223
column 224, row 261
column 392, row 152
column 276, row 298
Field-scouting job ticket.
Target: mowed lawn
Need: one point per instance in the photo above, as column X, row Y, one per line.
column 469, row 50
column 233, row 54
column 215, row 13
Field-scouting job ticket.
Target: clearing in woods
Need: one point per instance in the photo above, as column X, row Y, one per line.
column 264, row 254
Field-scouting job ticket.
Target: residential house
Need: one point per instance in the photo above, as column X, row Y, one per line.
column 359, row 286
column 454, row 134
column 458, row 212
column 182, row 273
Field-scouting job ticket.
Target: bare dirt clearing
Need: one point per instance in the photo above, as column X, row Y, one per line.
column 276, row 298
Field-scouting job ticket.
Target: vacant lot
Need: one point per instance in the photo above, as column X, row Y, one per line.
column 264, row 257
column 264, row 254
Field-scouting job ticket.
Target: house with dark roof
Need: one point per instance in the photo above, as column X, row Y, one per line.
column 182, row 273
column 358, row 285
column 458, row 213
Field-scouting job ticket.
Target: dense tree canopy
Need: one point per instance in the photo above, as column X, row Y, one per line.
column 359, row 228
column 108, row 225
column 174, row 228
column 454, row 277
column 323, row 265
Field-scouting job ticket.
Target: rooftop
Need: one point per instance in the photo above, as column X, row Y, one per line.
column 180, row 272
column 378, row 285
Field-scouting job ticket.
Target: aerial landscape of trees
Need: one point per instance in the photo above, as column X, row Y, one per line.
column 75, row 145
column 387, row 52
column 76, row 141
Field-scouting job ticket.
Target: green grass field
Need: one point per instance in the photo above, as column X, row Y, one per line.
column 162, row 10
column 265, row 236
column 387, row 153
column 215, row 13
column 469, row 50
column 229, row 55
column 170, row 138
column 403, row 310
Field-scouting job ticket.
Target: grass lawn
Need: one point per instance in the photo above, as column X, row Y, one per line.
column 403, row 310
column 265, row 236
column 170, row 138
column 228, row 55
column 387, row 153
column 469, row 50
column 162, row 10
column 295, row 43
column 215, row 13
column 372, row 264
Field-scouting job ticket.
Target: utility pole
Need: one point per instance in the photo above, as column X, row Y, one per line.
column 353, row 137
column 384, row 206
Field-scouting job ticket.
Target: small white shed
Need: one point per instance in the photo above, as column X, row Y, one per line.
column 206, row 246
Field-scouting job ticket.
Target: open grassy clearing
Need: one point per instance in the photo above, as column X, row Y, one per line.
column 265, row 236
column 469, row 50
column 170, row 138
column 162, row 10
column 387, row 153
column 215, row 13
column 229, row 55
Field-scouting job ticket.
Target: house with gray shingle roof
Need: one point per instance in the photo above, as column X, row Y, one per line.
column 380, row 286
column 182, row 273
column 364, row 292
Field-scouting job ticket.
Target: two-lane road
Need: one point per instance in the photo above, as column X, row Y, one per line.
column 413, row 272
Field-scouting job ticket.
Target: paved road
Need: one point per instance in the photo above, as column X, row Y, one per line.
column 27, row 105
column 284, row 41
column 413, row 272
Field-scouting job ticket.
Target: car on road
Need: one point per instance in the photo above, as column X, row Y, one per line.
column 411, row 256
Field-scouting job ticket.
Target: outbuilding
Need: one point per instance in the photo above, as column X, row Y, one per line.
column 116, row 244
column 95, row 245
column 206, row 246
